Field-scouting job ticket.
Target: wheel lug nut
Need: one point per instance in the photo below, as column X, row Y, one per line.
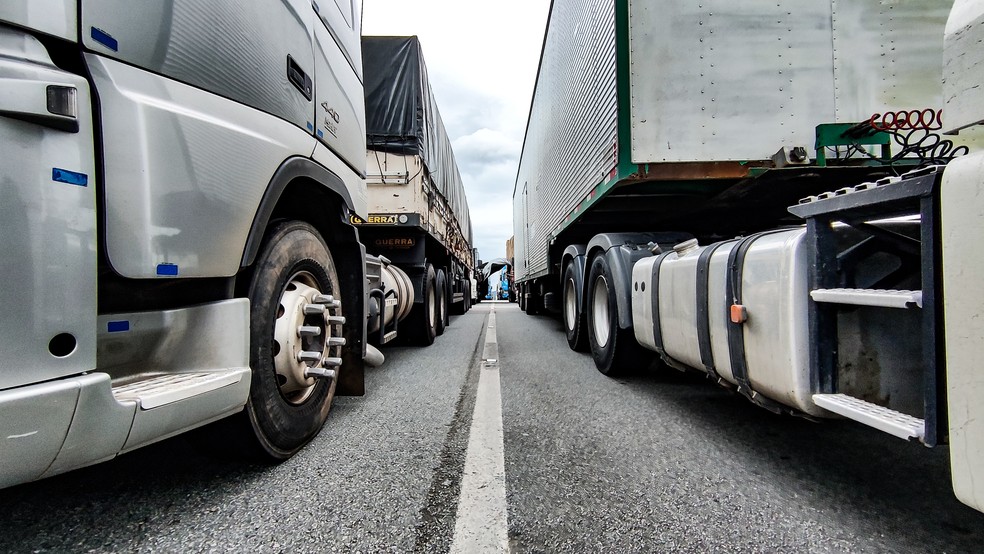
column 336, row 341
column 320, row 372
column 308, row 356
column 332, row 362
column 314, row 309
column 309, row 331
column 323, row 299
column 336, row 320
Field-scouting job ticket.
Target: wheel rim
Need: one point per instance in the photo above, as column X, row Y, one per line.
column 599, row 311
column 301, row 335
column 570, row 305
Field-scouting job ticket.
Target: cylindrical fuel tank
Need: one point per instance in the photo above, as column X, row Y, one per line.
column 397, row 289
column 395, row 279
column 774, row 293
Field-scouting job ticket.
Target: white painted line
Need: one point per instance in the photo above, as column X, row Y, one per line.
column 481, row 524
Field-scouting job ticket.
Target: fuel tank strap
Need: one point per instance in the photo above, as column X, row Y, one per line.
column 703, row 309
column 654, row 294
column 736, row 329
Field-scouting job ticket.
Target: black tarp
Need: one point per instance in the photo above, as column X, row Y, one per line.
column 402, row 116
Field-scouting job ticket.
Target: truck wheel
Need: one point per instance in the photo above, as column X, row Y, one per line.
column 614, row 350
column 574, row 318
column 293, row 314
column 532, row 301
column 459, row 308
column 441, row 289
column 421, row 324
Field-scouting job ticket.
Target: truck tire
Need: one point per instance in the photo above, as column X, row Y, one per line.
column 441, row 288
column 533, row 302
column 614, row 350
column 421, row 324
column 459, row 308
column 285, row 408
column 574, row 317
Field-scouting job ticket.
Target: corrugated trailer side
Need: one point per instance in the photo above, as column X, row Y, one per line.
column 666, row 116
column 570, row 143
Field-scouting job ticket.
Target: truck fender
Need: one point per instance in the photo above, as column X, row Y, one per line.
column 292, row 169
column 622, row 250
column 345, row 244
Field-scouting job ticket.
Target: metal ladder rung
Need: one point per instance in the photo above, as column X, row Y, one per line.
column 894, row 423
column 870, row 297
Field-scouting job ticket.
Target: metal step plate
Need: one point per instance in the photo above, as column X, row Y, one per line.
column 894, row 423
column 164, row 389
column 870, row 297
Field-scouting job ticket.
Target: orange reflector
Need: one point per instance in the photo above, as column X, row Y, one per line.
column 738, row 313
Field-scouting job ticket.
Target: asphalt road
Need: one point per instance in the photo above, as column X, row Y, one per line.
column 656, row 462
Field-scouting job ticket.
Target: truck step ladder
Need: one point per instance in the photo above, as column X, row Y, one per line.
column 870, row 297
column 159, row 390
column 894, row 423
column 912, row 195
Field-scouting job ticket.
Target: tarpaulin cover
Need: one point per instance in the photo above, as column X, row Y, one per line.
column 402, row 115
column 492, row 266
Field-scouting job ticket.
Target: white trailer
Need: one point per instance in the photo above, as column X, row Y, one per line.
column 178, row 179
column 810, row 134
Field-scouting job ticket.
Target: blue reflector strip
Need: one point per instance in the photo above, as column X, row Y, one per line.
column 118, row 326
column 167, row 269
column 70, row 177
column 102, row 37
column 321, row 134
column 309, row 126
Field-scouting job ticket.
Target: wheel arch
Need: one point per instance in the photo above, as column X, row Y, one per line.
column 294, row 180
column 621, row 250
column 305, row 191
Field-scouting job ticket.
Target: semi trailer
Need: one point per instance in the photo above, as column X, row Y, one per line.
column 775, row 197
column 418, row 212
column 178, row 183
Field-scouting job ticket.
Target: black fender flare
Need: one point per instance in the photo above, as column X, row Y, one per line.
column 622, row 251
column 291, row 169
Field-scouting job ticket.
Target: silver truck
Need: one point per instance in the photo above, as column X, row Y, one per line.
column 761, row 193
column 178, row 179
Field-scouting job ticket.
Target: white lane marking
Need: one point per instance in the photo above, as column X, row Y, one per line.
column 481, row 524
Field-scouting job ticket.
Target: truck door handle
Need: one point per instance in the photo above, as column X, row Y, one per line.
column 48, row 104
column 299, row 78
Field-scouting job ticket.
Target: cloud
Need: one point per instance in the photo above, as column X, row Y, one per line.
column 486, row 146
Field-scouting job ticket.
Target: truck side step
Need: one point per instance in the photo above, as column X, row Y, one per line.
column 870, row 297
column 894, row 423
column 159, row 390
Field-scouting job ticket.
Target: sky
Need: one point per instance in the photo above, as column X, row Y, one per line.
column 482, row 59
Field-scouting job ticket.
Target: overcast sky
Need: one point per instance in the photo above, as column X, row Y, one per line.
column 482, row 59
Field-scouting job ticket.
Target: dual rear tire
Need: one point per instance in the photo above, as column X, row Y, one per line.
column 614, row 350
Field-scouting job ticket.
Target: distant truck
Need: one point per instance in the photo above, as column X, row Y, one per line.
column 511, row 275
column 418, row 213
column 759, row 193
column 178, row 181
